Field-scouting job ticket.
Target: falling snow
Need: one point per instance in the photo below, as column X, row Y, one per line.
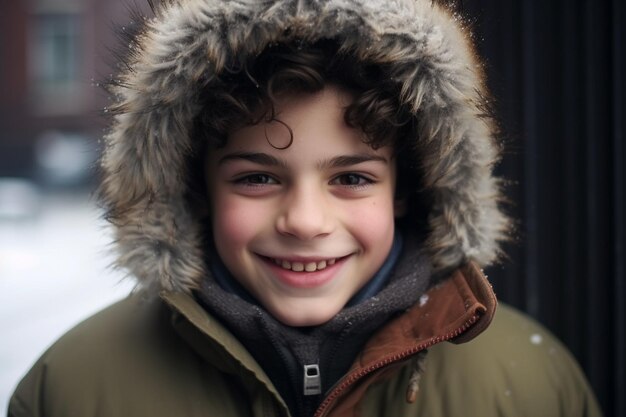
column 423, row 299
column 536, row 339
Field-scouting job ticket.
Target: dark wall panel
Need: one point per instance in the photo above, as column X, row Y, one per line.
column 557, row 71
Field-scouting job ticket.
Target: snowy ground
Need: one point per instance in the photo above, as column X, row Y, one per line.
column 54, row 272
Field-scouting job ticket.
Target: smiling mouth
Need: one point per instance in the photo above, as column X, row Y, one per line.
column 304, row 266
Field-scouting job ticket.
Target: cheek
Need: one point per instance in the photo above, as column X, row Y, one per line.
column 373, row 223
column 234, row 222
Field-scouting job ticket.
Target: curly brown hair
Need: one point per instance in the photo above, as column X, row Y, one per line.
column 245, row 92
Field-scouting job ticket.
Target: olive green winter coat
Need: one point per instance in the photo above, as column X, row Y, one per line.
column 168, row 357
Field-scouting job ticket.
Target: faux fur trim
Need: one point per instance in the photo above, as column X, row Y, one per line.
column 189, row 41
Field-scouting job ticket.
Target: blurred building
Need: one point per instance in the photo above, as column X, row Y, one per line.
column 53, row 56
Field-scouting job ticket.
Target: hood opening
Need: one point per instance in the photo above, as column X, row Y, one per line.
column 177, row 78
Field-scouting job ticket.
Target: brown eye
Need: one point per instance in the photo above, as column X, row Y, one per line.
column 257, row 179
column 350, row 179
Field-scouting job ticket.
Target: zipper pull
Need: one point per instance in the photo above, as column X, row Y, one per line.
column 312, row 380
column 416, row 376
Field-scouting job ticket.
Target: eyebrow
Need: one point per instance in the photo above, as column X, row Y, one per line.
column 336, row 162
column 255, row 157
column 343, row 161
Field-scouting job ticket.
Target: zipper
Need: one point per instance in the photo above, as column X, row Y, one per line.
column 354, row 377
column 312, row 380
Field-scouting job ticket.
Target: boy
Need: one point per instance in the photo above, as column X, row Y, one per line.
column 304, row 191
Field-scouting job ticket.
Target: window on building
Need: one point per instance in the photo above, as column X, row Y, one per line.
column 56, row 48
column 55, row 62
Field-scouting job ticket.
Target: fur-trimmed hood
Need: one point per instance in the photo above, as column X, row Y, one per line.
column 178, row 52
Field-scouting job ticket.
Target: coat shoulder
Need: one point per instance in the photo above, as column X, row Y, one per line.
column 125, row 360
column 515, row 368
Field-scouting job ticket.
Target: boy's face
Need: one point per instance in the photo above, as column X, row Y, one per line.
column 305, row 227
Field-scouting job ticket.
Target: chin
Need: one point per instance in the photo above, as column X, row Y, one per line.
column 306, row 318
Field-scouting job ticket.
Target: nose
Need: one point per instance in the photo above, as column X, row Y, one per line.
column 306, row 214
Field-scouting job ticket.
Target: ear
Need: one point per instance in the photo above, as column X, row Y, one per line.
column 400, row 207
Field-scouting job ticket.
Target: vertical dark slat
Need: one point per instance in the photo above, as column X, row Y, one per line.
column 508, row 35
column 599, row 165
column 551, row 142
column 573, row 151
column 619, row 191
column 529, row 83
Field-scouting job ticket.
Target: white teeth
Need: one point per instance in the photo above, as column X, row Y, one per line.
column 301, row 266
